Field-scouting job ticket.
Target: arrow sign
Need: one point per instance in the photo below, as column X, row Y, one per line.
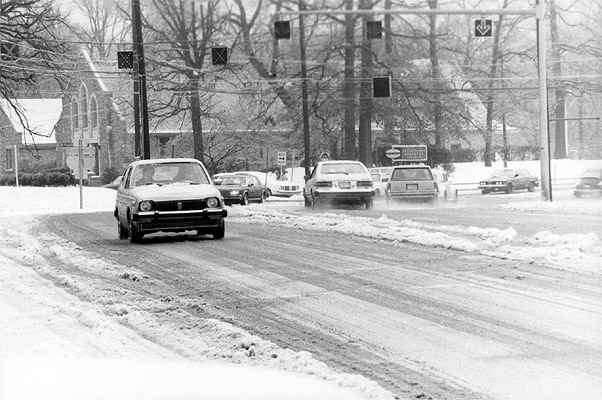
column 482, row 27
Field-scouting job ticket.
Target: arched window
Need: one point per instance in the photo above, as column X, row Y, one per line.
column 74, row 114
column 83, row 105
column 93, row 112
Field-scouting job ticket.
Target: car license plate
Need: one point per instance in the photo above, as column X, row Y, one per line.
column 412, row 186
column 344, row 185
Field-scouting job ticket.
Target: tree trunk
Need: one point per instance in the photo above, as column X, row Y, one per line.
column 365, row 122
column 436, row 74
column 197, row 124
column 350, row 151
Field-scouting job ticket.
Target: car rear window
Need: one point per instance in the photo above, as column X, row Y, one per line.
column 412, row 174
column 341, row 168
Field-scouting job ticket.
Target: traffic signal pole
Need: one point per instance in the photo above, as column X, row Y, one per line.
column 539, row 13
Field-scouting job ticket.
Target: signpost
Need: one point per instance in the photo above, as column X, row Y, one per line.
column 281, row 161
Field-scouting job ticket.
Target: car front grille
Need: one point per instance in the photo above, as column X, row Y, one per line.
column 180, row 205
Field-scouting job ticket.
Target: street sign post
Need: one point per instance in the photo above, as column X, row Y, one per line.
column 282, row 158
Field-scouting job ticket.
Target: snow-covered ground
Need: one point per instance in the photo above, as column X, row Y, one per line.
column 55, row 345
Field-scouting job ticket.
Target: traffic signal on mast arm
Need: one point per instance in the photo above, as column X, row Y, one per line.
column 374, row 29
column 219, row 55
column 381, row 86
column 282, row 29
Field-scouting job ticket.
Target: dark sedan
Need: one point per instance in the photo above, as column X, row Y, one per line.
column 239, row 188
column 508, row 180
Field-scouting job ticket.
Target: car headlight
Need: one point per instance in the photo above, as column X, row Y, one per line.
column 146, row 205
column 212, row 202
column 234, row 192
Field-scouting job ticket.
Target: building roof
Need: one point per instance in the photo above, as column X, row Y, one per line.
column 40, row 119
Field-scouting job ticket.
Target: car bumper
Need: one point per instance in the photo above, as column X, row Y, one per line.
column 229, row 199
column 417, row 195
column 155, row 221
column 344, row 196
column 494, row 188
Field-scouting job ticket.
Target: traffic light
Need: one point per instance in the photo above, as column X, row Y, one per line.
column 125, row 59
column 381, row 86
column 219, row 55
column 282, row 29
column 374, row 29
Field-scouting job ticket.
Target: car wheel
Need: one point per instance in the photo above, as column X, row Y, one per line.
column 531, row 187
column 133, row 233
column 455, row 199
column 306, row 201
column 369, row 203
column 220, row 231
column 262, row 198
column 121, row 231
column 509, row 188
column 314, row 201
column 485, row 191
column 445, row 199
column 245, row 200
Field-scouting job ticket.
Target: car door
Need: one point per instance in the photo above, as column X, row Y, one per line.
column 254, row 188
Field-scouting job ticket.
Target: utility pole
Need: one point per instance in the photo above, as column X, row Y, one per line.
column 139, row 60
column 305, row 106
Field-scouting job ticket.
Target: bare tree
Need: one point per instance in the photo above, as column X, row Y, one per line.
column 30, row 47
column 106, row 26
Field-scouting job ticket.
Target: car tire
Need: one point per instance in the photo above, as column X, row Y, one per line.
column 314, row 201
column 445, row 199
column 262, row 198
column 220, row 231
column 133, row 233
column 509, row 188
column 485, row 191
column 369, row 203
column 306, row 201
column 455, row 199
column 245, row 200
column 531, row 187
column 121, row 231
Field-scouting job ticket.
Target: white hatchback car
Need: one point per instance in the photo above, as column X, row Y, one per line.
column 336, row 182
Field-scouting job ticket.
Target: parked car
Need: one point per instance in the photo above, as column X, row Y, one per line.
column 590, row 183
column 335, row 182
column 508, row 180
column 168, row 195
column 412, row 182
column 114, row 184
column 239, row 188
column 384, row 171
column 447, row 190
column 379, row 183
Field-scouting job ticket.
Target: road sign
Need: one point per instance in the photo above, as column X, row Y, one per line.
column 393, row 153
column 411, row 152
column 282, row 158
column 482, row 27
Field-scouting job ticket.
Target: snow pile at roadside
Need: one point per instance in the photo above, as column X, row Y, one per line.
column 572, row 251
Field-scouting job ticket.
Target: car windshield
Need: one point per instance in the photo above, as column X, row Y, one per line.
column 502, row 173
column 342, row 168
column 169, row 173
column 412, row 174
